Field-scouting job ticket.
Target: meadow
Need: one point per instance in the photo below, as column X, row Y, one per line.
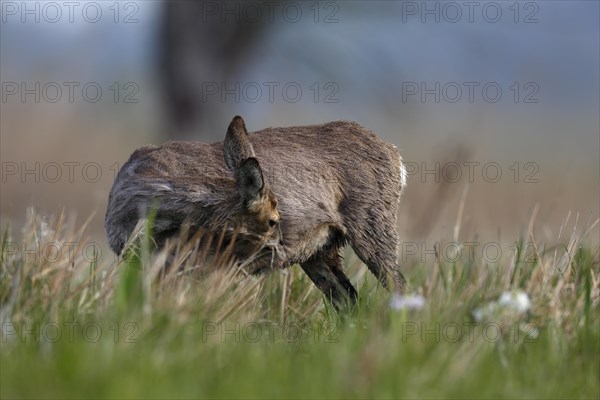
column 79, row 324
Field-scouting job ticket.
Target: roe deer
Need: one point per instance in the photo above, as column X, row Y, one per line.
column 297, row 194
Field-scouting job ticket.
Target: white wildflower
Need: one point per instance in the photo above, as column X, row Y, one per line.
column 510, row 303
column 516, row 300
column 407, row 302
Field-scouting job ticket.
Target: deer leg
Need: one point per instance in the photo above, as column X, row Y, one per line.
column 377, row 250
column 325, row 270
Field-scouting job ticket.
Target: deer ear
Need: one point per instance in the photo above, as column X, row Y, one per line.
column 236, row 146
column 250, row 182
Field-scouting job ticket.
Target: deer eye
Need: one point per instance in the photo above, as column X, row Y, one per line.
column 272, row 222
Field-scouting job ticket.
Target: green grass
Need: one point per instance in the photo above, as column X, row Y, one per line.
column 219, row 334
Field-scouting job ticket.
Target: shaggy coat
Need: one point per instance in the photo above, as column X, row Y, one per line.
column 302, row 193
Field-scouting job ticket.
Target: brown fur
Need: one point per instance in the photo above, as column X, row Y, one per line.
column 321, row 186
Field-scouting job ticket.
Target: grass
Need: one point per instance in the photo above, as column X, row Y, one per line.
column 76, row 324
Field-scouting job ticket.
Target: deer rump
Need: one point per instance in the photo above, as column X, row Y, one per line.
column 302, row 192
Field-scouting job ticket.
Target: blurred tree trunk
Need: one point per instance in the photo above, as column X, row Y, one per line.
column 200, row 42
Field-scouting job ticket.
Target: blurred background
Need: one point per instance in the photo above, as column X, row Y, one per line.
column 494, row 105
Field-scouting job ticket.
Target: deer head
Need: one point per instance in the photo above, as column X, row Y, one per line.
column 258, row 240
